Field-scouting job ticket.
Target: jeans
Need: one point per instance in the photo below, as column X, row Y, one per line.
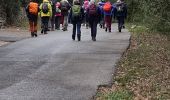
column 93, row 26
column 57, row 22
column 76, row 26
column 120, row 21
column 65, row 23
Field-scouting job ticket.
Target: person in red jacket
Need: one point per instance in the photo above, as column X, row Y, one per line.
column 57, row 16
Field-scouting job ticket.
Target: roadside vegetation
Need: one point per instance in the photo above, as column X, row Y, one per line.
column 143, row 71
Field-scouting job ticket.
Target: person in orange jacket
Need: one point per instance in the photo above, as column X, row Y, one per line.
column 32, row 10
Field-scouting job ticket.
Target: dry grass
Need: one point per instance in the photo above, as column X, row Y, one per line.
column 144, row 70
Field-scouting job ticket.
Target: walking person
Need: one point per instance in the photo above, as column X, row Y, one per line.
column 46, row 14
column 120, row 13
column 108, row 13
column 85, row 7
column 32, row 13
column 65, row 6
column 94, row 15
column 76, row 17
column 102, row 22
column 57, row 16
column 53, row 2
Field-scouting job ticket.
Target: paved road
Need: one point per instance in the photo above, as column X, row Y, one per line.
column 53, row 67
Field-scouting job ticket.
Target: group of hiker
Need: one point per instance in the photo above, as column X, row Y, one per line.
column 90, row 13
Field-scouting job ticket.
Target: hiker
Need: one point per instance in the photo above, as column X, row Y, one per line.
column 85, row 7
column 53, row 2
column 102, row 23
column 46, row 14
column 57, row 16
column 108, row 13
column 32, row 10
column 120, row 13
column 76, row 17
column 65, row 6
column 94, row 15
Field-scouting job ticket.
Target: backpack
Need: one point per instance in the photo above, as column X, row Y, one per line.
column 92, row 10
column 64, row 6
column 86, row 4
column 45, row 8
column 33, row 8
column 76, row 10
column 107, row 7
column 119, row 7
column 57, row 10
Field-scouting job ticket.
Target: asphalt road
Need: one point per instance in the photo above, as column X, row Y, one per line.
column 54, row 67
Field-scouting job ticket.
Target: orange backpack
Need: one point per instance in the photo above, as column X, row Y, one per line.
column 33, row 8
column 107, row 7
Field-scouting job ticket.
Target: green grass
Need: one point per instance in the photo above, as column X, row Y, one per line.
column 116, row 95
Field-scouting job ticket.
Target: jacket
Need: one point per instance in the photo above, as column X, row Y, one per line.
column 79, row 18
column 97, row 17
column 49, row 14
column 109, row 13
column 120, row 14
column 64, row 3
column 30, row 16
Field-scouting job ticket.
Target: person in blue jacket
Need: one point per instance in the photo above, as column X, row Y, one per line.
column 108, row 14
column 101, row 3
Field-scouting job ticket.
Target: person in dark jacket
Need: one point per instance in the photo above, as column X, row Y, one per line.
column 120, row 13
column 102, row 23
column 32, row 10
column 94, row 16
column 65, row 6
column 76, row 17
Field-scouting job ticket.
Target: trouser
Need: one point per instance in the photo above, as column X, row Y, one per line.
column 120, row 21
column 93, row 25
column 33, row 26
column 52, row 22
column 44, row 21
column 108, row 21
column 57, row 22
column 65, row 23
column 76, row 26
column 102, row 22
column 86, row 20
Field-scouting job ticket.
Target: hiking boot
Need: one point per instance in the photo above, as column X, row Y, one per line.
column 119, row 29
column 78, row 37
column 35, row 34
column 42, row 31
column 32, row 34
column 73, row 37
column 123, row 27
column 45, row 32
column 109, row 29
column 64, row 29
column 106, row 29
column 93, row 39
